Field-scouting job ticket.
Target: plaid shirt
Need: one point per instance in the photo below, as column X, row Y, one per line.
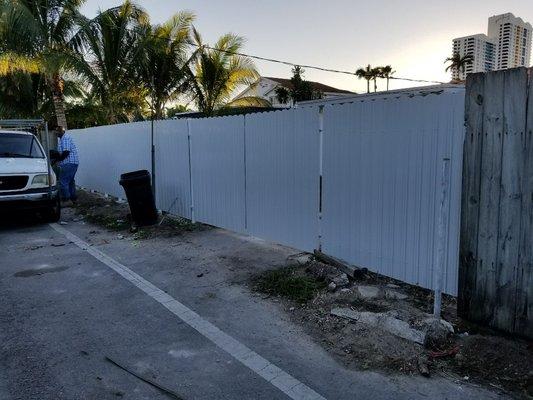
column 66, row 143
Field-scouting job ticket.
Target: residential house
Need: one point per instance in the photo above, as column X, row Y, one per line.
column 265, row 88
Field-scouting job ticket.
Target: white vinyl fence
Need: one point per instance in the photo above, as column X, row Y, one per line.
column 359, row 180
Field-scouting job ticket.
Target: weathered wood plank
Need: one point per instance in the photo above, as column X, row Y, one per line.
column 524, row 295
column 510, row 208
column 475, row 90
column 496, row 265
column 485, row 285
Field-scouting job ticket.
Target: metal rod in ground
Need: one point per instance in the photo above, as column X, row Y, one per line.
column 146, row 379
column 442, row 238
column 47, row 139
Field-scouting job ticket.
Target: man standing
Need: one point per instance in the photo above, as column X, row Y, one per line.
column 68, row 165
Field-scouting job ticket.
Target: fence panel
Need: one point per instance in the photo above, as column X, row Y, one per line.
column 382, row 162
column 108, row 151
column 282, row 170
column 217, row 170
column 172, row 167
column 497, row 215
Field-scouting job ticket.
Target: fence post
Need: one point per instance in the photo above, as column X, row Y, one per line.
column 442, row 238
column 153, row 158
column 191, row 186
column 320, row 171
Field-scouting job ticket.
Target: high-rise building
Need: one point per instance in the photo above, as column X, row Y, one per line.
column 507, row 45
column 513, row 37
column 481, row 48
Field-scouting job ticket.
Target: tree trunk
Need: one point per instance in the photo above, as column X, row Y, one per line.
column 56, row 87
column 368, row 85
column 387, row 83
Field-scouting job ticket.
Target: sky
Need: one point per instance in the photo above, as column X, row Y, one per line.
column 413, row 36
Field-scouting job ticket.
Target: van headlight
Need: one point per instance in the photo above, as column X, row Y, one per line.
column 40, row 181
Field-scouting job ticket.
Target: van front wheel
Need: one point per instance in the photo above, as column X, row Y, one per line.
column 53, row 214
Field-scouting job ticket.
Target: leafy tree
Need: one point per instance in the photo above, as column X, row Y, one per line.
column 301, row 90
column 458, row 62
column 171, row 112
column 215, row 72
column 109, row 49
column 20, row 95
column 367, row 74
column 386, row 72
column 34, row 38
column 164, row 58
column 283, row 95
column 376, row 73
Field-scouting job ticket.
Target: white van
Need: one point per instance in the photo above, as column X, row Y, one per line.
column 27, row 182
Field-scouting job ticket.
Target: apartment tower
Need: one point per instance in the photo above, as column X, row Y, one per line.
column 507, row 45
column 513, row 37
column 481, row 47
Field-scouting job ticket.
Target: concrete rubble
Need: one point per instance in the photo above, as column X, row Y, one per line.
column 433, row 332
column 367, row 292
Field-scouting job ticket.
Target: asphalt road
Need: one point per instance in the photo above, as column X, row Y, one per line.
column 65, row 309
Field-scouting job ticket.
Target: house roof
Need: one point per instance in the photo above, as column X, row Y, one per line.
column 316, row 85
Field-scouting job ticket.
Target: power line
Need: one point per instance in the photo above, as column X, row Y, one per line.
column 311, row 66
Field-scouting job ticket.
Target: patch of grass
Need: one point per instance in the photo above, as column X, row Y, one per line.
column 109, row 222
column 141, row 234
column 289, row 282
column 181, row 224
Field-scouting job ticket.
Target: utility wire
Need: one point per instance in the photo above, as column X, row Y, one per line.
column 310, row 66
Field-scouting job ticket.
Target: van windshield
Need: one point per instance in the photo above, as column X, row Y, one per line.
column 17, row 145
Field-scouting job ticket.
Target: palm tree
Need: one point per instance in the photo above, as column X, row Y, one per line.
column 458, row 62
column 283, row 95
column 217, row 71
column 109, row 50
column 386, row 72
column 165, row 56
column 365, row 73
column 34, row 39
column 376, row 73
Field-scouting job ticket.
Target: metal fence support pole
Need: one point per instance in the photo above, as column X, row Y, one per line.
column 442, row 239
column 320, row 172
column 47, row 140
column 153, row 160
column 191, row 186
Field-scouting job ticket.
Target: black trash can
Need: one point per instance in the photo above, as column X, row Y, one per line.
column 138, row 190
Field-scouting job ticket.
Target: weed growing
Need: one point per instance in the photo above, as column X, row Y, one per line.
column 290, row 282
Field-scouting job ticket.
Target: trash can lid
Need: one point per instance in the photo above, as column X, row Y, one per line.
column 135, row 174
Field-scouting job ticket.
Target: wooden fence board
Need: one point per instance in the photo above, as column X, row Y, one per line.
column 510, row 207
column 524, row 294
column 471, row 184
column 496, row 284
column 489, row 197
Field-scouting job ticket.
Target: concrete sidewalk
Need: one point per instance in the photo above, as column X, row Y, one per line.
column 63, row 311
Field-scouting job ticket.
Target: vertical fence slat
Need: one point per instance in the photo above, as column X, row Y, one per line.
column 468, row 256
column 524, row 295
column 514, row 119
column 491, row 160
column 172, row 167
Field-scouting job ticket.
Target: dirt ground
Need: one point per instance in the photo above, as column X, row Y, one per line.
column 303, row 290
column 111, row 214
column 473, row 353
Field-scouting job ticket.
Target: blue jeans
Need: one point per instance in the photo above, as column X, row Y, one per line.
column 67, row 185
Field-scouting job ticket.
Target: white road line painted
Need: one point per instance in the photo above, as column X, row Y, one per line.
column 289, row 385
